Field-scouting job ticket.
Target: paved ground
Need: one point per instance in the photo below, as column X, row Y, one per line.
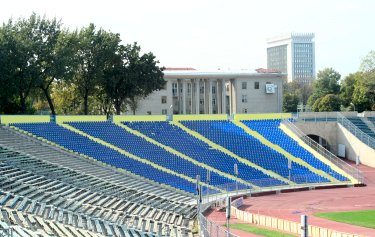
column 291, row 206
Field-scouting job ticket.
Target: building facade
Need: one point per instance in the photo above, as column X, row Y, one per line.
column 198, row 92
column 294, row 55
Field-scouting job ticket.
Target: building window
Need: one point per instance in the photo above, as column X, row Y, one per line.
column 148, row 112
column 244, row 111
column 256, row 85
column 214, row 101
column 201, row 101
column 174, row 89
column 164, row 111
column 189, row 88
column 244, row 98
column 214, row 90
column 201, row 89
column 163, row 99
column 244, row 85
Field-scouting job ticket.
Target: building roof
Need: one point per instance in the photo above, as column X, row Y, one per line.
column 191, row 74
column 179, row 69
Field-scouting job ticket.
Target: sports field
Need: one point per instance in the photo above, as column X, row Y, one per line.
column 360, row 218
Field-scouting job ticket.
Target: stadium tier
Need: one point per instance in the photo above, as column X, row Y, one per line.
column 357, row 121
column 271, row 131
column 176, row 138
column 83, row 145
column 235, row 139
column 39, row 195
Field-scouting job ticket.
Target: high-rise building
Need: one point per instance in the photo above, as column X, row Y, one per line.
column 294, row 55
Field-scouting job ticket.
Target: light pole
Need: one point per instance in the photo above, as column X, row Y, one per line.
column 236, row 173
column 351, row 103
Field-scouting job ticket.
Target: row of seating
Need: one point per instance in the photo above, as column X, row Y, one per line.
column 178, row 139
column 53, row 193
column 357, row 121
column 271, row 131
column 235, row 139
column 140, row 147
column 83, row 145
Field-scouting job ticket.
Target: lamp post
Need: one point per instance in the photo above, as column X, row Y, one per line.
column 351, row 103
column 236, row 173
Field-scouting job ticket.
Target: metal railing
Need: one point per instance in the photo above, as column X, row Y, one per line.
column 358, row 133
column 210, row 229
column 354, row 172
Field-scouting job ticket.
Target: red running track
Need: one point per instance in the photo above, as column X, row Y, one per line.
column 291, row 206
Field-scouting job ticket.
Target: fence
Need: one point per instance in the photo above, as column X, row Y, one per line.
column 285, row 225
column 354, row 172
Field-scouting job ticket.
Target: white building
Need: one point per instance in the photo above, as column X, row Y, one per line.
column 188, row 91
column 293, row 54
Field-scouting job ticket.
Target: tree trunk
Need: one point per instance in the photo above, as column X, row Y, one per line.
column 118, row 106
column 86, row 104
column 49, row 99
column 23, row 104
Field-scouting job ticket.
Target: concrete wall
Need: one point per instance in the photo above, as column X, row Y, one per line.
column 258, row 101
column 354, row 147
column 326, row 130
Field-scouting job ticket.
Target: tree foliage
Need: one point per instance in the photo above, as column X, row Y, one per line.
column 290, row 102
column 327, row 83
column 329, row 102
column 87, row 71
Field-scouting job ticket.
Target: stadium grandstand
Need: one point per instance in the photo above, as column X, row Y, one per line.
column 156, row 175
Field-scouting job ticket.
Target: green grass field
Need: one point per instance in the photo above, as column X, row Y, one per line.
column 259, row 231
column 360, row 218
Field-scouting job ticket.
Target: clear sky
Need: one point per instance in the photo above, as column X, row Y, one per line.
column 212, row 34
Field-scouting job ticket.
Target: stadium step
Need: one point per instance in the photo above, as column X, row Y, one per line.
column 136, row 157
column 183, row 156
column 226, row 151
column 280, row 150
column 316, row 154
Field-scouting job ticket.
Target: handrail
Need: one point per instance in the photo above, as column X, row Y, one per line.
column 354, row 172
column 358, row 133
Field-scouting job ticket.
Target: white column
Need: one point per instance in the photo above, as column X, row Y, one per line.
column 210, row 96
column 223, row 97
column 197, row 87
column 184, row 87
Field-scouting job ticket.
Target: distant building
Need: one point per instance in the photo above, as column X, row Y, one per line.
column 189, row 91
column 294, row 55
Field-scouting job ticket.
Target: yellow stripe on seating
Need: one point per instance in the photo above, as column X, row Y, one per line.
column 183, row 156
column 316, row 154
column 228, row 152
column 134, row 156
column 280, row 150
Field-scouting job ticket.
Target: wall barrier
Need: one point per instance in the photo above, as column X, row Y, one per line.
column 7, row 119
column 80, row 118
column 286, row 225
column 194, row 117
column 138, row 118
column 262, row 116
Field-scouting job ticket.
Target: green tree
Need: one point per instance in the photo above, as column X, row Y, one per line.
column 329, row 102
column 290, row 102
column 131, row 75
column 364, row 91
column 66, row 98
column 18, row 71
column 327, row 83
column 96, row 51
column 368, row 62
column 347, row 88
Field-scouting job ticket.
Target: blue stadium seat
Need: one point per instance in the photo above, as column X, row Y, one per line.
column 178, row 139
column 81, row 144
column 235, row 139
column 271, row 131
column 140, row 147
